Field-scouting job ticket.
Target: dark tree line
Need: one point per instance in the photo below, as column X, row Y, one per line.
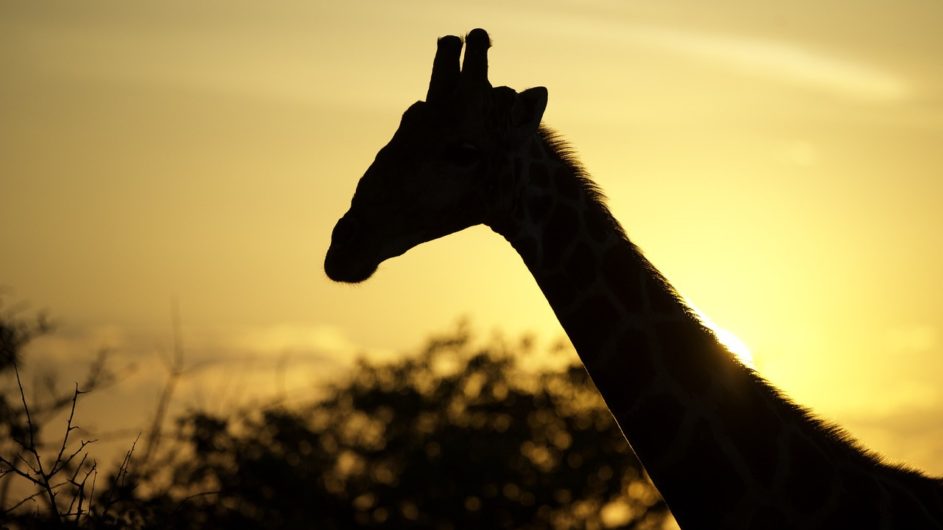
column 455, row 436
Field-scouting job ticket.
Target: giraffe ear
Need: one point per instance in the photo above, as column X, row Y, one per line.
column 526, row 113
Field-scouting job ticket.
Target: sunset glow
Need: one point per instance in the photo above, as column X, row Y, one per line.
column 727, row 338
column 779, row 163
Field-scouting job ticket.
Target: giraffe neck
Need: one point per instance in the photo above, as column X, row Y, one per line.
column 723, row 448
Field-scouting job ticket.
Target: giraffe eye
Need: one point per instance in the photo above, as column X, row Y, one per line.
column 462, row 154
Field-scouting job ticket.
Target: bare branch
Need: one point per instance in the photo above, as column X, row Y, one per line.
column 19, row 457
column 79, row 496
column 122, row 473
column 126, row 463
column 26, row 460
column 68, row 459
column 12, row 467
column 91, row 494
column 68, row 430
column 43, row 478
column 29, row 419
column 23, row 501
column 81, row 487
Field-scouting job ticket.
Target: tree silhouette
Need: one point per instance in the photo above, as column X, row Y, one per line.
column 457, row 435
column 454, row 437
column 42, row 483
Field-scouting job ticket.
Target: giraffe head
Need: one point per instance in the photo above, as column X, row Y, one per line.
column 445, row 168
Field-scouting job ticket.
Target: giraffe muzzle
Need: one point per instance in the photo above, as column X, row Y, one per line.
column 343, row 262
column 345, row 230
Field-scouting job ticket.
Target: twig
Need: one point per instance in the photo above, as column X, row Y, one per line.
column 176, row 371
column 43, row 478
column 188, row 498
column 35, row 473
column 91, row 494
column 80, row 487
column 200, row 494
column 68, row 430
column 23, row 501
column 68, row 459
column 29, row 419
column 12, row 467
column 5, row 487
column 77, row 485
column 19, row 457
column 121, row 473
column 94, row 469
column 25, row 460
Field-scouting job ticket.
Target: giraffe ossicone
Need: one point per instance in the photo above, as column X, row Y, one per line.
column 724, row 448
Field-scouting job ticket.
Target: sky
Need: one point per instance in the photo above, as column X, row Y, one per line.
column 779, row 162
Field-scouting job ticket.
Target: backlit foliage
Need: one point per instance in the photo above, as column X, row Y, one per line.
column 457, row 435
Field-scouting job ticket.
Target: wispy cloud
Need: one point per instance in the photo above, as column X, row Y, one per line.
column 297, row 338
column 781, row 60
column 910, row 434
column 778, row 60
column 205, row 60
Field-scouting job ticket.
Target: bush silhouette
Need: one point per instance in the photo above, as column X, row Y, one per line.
column 455, row 436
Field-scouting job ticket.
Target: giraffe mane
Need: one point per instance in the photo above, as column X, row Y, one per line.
column 567, row 155
column 840, row 441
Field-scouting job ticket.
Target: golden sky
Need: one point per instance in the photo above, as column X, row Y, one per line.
column 780, row 162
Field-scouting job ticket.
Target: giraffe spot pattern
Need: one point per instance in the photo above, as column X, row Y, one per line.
column 633, row 345
column 540, row 176
column 717, row 486
column 661, row 413
column 753, row 427
column 597, row 222
column 805, row 488
column 694, row 353
column 621, row 272
column 771, row 518
column 661, row 298
column 851, row 512
column 909, row 511
column 624, row 373
column 591, row 324
column 561, row 230
column 559, row 291
column 538, row 207
column 506, row 183
column 526, row 247
column 519, row 215
column 566, row 183
column 581, row 265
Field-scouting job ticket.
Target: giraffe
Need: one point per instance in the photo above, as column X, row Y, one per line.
column 723, row 447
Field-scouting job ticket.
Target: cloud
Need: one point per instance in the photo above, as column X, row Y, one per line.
column 297, row 338
column 201, row 60
column 224, row 370
column 250, row 363
column 779, row 60
column 912, row 435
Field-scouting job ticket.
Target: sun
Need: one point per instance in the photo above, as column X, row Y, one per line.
column 726, row 337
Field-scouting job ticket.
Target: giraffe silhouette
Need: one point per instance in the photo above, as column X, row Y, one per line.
column 724, row 448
